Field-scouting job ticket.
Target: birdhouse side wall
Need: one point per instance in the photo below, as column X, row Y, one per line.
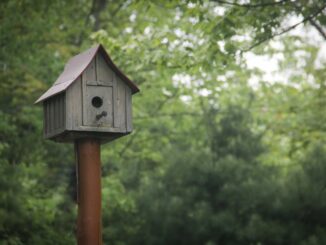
column 122, row 106
column 74, row 105
column 54, row 115
column 128, row 109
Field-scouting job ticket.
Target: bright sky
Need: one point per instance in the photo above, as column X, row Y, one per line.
column 269, row 65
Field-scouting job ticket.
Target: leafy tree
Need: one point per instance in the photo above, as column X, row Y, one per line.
column 212, row 160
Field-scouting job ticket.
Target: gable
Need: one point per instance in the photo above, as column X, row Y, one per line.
column 98, row 72
column 105, row 74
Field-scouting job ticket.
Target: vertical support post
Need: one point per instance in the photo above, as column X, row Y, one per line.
column 89, row 192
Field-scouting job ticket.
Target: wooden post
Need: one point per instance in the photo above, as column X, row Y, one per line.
column 89, row 191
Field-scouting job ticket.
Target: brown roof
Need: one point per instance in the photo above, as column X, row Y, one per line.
column 74, row 68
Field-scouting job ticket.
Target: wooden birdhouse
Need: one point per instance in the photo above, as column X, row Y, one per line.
column 91, row 98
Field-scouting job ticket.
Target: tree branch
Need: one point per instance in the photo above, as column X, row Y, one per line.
column 95, row 10
column 311, row 21
column 261, row 5
column 98, row 7
column 308, row 18
column 318, row 28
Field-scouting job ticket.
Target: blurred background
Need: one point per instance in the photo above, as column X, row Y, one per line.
column 229, row 133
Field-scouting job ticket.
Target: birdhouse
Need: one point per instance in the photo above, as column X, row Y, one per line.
column 91, row 98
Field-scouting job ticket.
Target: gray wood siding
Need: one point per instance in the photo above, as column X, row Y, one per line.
column 74, row 105
column 105, row 76
column 128, row 109
column 88, row 76
column 90, row 72
column 120, row 106
column 123, row 110
column 54, row 115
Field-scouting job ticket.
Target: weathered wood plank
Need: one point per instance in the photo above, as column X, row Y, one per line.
column 62, row 111
column 45, row 120
column 120, row 115
column 59, row 111
column 90, row 72
column 52, row 121
column 88, row 75
column 105, row 75
column 52, row 115
column 115, row 102
column 56, row 111
column 74, row 105
column 99, row 129
column 128, row 109
column 99, row 83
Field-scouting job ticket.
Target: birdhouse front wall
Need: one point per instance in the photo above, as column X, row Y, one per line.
column 99, row 101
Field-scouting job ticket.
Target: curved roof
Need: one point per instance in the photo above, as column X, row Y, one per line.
column 75, row 67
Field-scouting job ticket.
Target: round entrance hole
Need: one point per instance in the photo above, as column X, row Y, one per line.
column 97, row 102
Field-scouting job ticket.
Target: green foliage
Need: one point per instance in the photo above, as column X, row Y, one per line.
column 212, row 160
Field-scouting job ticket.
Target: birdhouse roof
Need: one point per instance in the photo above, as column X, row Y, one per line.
column 75, row 67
